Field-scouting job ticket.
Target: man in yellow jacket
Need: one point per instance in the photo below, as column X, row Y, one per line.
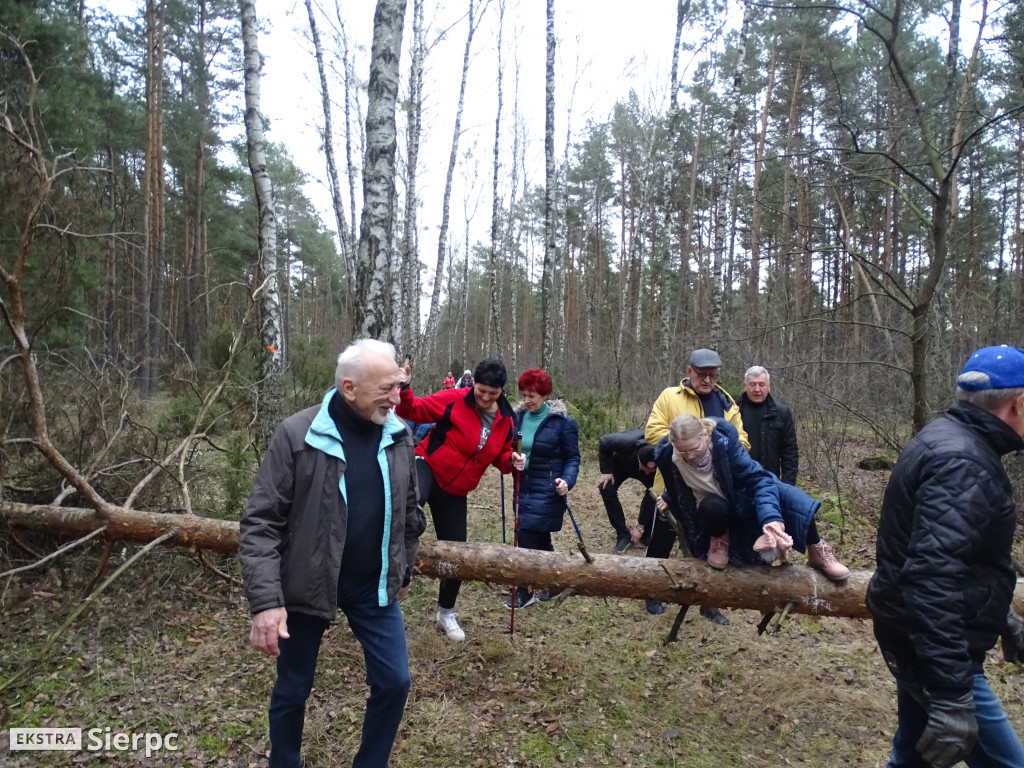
column 699, row 395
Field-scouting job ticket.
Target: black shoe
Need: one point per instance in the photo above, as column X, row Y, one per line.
column 646, row 539
column 654, row 607
column 542, row 595
column 523, row 598
column 622, row 543
column 714, row 615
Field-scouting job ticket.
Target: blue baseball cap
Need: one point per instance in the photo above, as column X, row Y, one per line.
column 999, row 368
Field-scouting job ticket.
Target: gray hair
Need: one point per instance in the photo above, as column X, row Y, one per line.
column 757, row 370
column 352, row 362
column 987, row 399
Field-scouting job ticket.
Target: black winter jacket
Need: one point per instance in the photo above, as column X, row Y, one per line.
column 555, row 453
column 944, row 576
column 774, row 447
column 617, row 455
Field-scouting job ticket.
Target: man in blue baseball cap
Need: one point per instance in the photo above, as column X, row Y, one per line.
column 940, row 596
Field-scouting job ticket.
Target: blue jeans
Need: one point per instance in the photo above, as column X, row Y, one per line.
column 997, row 747
column 381, row 632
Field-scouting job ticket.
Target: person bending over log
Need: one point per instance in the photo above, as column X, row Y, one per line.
column 730, row 508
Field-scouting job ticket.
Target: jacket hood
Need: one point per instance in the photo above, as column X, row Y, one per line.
column 557, row 407
column 687, row 388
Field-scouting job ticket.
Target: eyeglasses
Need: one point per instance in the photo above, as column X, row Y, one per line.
column 705, row 375
column 693, row 451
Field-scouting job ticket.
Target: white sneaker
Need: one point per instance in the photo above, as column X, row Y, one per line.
column 447, row 623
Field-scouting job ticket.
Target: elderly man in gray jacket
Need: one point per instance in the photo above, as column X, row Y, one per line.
column 332, row 522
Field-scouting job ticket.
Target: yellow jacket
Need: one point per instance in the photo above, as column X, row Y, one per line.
column 675, row 401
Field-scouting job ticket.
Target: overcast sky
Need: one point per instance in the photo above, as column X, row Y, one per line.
column 614, row 47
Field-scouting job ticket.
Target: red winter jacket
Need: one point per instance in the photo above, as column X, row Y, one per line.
column 450, row 448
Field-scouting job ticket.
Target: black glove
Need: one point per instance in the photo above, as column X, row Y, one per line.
column 1013, row 638
column 951, row 731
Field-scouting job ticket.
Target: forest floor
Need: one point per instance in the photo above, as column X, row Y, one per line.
column 584, row 682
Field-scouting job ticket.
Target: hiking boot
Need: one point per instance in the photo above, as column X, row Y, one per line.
column 718, row 552
column 654, row 607
column 523, row 598
column 446, row 623
column 821, row 557
column 714, row 615
column 543, row 595
column 622, row 542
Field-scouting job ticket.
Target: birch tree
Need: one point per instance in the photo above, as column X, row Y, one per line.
column 493, row 336
column 271, row 329
column 430, row 329
column 550, row 255
column 410, row 271
column 345, row 243
column 372, row 315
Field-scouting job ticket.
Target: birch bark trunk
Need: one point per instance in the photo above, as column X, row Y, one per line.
column 270, row 318
column 428, row 342
column 372, row 309
column 548, row 279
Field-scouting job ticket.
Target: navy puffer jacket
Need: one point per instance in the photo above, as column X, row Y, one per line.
column 757, row 497
column 944, row 576
column 555, row 453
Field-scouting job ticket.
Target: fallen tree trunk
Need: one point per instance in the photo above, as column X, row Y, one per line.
column 684, row 581
column 678, row 580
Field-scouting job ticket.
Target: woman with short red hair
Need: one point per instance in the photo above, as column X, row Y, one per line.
column 550, row 442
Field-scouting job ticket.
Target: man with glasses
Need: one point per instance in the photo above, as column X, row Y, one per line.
column 700, row 396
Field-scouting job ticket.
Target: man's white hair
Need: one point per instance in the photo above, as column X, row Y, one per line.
column 352, row 362
column 988, row 399
column 757, row 370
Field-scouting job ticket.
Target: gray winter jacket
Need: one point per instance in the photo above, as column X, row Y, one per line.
column 292, row 531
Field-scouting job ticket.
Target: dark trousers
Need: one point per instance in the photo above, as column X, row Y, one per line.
column 448, row 514
column 540, row 540
column 381, row 633
column 998, row 745
column 612, row 505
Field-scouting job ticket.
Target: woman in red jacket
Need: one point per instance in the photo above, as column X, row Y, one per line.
column 471, row 431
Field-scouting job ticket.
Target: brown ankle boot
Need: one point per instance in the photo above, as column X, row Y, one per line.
column 718, row 552
column 821, row 557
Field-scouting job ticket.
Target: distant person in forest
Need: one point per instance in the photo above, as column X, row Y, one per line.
column 472, row 430
column 699, row 395
column 940, row 595
column 449, row 381
column 769, row 426
column 466, row 380
column 332, row 522
column 623, row 456
column 551, row 447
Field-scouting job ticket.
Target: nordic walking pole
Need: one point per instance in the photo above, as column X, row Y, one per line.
column 503, row 509
column 517, row 446
column 583, row 547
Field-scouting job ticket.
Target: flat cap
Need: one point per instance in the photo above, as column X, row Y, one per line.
column 705, row 358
